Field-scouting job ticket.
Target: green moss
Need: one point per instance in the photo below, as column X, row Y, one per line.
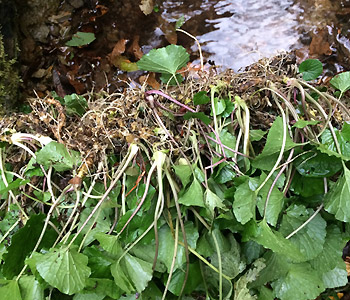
column 9, row 80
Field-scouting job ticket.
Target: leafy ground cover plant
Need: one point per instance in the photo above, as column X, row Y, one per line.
column 192, row 199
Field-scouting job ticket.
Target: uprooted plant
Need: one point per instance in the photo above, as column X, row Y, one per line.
column 205, row 203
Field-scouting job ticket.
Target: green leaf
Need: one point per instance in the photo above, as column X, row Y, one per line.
column 244, row 203
column 311, row 238
column 64, row 269
column 307, row 186
column 58, row 156
column 197, row 115
column 101, row 224
column 304, row 123
column 219, row 106
column 166, row 245
column 99, row 262
column 184, row 172
column 75, row 104
column 311, row 69
column 328, row 146
column 164, row 60
column 170, row 78
column 229, row 140
column 30, row 288
column 331, row 255
column 252, row 251
column 9, row 290
column 14, row 185
column 267, row 158
column 193, row 279
column 301, row 282
column 99, row 288
column 241, row 289
column 275, row 241
column 337, row 277
column 316, row 164
column 22, row 244
column 265, row 294
column 110, row 243
column 256, row 135
column 193, row 195
column 337, row 199
column 180, row 21
column 131, row 274
column 81, row 39
column 275, row 203
column 212, row 201
column 201, row 98
column 341, row 82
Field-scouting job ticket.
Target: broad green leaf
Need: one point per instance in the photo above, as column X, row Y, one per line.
column 337, row 199
column 139, row 271
column 212, row 201
column 244, row 203
column 316, row 164
column 109, row 243
column 197, row 115
column 301, row 282
column 99, row 287
column 30, row 288
column 8, row 220
column 201, row 98
column 88, row 296
column 131, row 274
column 307, row 186
column 148, row 253
column 337, row 277
column 9, row 179
column 219, row 106
column 167, row 244
column 252, row 251
column 328, row 146
column 341, row 82
column 64, row 269
column 22, row 244
column 229, row 140
column 277, row 266
column 164, row 60
column 304, row 123
column 241, row 289
column 275, row 241
column 275, row 202
column 193, row 279
column 267, row 158
column 232, row 262
column 311, row 69
column 184, row 172
column 331, row 255
column 311, row 238
column 75, row 104
column 99, row 262
column 81, row 39
column 170, row 79
column 13, row 185
column 193, row 195
column 256, row 135
column 265, row 294
column 58, row 156
column 9, row 290
column 101, row 224
column 225, row 173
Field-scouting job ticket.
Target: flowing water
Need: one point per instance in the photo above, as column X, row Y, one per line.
column 235, row 33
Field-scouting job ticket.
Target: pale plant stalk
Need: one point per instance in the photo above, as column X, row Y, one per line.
column 176, row 242
column 133, row 149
